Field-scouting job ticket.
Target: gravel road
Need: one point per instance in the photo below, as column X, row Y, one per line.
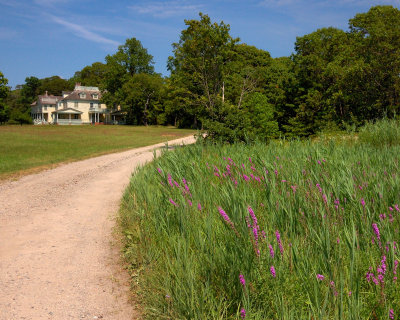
column 59, row 258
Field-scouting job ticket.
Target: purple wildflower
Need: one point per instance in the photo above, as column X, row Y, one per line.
column 320, row 277
column 159, row 170
column 391, row 314
column 271, row 251
column 278, row 239
column 173, row 202
column 170, row 180
column 186, row 186
column 363, row 202
column 272, row 270
column 246, row 177
column 376, row 231
column 243, row 313
column 242, row 280
column 253, row 217
column 199, row 206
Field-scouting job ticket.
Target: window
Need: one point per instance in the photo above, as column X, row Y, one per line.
column 91, row 105
column 76, row 104
column 65, row 105
column 82, row 95
column 45, row 108
column 95, row 96
column 76, row 116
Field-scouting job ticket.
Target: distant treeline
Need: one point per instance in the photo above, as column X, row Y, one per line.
column 335, row 79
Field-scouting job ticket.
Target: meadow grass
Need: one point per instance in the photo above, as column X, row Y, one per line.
column 27, row 147
column 289, row 230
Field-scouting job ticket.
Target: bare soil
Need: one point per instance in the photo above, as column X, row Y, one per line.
column 59, row 258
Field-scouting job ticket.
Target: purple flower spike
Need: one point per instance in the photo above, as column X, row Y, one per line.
column 199, row 206
column 363, row 202
column 243, row 313
column 273, row 272
column 173, row 202
column 253, row 217
column 159, row 170
column 242, row 280
column 391, row 314
column 271, row 251
column 376, row 231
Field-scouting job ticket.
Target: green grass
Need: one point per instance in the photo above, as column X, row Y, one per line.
column 28, row 147
column 322, row 197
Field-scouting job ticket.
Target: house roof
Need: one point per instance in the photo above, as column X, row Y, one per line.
column 68, row 111
column 75, row 95
column 47, row 99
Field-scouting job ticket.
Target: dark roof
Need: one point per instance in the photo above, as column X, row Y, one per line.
column 49, row 99
column 75, row 95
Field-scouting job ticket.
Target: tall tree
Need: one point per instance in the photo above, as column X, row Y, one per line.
column 93, row 75
column 378, row 45
column 200, row 63
column 4, row 91
column 141, row 98
column 130, row 59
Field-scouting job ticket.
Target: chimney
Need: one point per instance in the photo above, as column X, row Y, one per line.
column 46, row 93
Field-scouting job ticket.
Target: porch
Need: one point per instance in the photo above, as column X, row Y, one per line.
column 67, row 116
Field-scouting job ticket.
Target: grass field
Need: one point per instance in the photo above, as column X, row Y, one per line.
column 289, row 230
column 27, row 148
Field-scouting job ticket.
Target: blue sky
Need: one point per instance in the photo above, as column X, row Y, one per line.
column 43, row 38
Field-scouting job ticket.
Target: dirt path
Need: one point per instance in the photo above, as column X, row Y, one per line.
column 58, row 256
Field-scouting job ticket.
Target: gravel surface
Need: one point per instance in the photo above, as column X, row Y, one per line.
column 59, row 258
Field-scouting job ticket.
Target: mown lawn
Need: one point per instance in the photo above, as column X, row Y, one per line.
column 27, row 148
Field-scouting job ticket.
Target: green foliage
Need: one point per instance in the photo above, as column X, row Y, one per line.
column 93, row 76
column 4, row 92
column 141, row 98
column 54, row 85
column 322, row 198
column 16, row 116
column 382, row 134
column 200, row 63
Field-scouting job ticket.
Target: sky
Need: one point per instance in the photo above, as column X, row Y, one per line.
column 43, row 38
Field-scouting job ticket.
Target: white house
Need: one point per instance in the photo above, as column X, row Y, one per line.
column 81, row 106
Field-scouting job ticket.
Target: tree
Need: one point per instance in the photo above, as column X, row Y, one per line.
column 130, row 59
column 93, row 75
column 246, row 72
column 54, row 85
column 141, row 98
column 377, row 45
column 29, row 91
column 4, row 91
column 200, row 63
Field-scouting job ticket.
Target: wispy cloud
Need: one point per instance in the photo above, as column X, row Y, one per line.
column 166, row 9
column 6, row 33
column 82, row 32
column 50, row 3
column 278, row 3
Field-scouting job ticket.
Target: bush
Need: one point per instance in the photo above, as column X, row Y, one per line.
column 385, row 132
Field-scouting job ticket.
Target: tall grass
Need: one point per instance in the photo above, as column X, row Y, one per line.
column 284, row 231
column 382, row 133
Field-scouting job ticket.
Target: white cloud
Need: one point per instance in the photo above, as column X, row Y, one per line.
column 166, row 9
column 84, row 33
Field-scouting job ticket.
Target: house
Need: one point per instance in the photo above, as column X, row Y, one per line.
column 81, row 106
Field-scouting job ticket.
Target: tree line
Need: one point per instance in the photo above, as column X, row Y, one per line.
column 335, row 79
